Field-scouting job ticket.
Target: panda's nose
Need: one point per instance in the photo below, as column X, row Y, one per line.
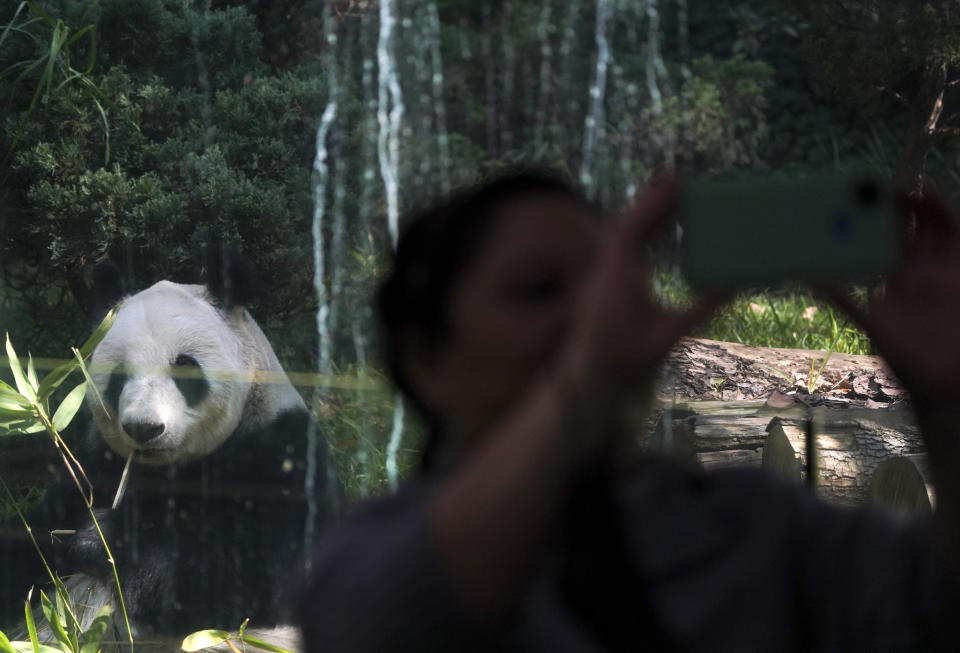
column 143, row 431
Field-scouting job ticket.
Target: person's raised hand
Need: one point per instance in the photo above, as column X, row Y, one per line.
column 620, row 333
column 915, row 321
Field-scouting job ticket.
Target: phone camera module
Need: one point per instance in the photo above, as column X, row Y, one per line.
column 842, row 224
column 867, row 192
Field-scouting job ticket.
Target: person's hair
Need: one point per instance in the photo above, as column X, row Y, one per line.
column 436, row 247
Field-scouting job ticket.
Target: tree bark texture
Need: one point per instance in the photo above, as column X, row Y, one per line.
column 923, row 117
column 723, row 404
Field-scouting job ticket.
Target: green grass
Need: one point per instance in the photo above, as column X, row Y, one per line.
column 790, row 317
column 357, row 422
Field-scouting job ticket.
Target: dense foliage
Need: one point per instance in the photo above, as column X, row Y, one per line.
column 140, row 130
column 183, row 158
column 164, row 125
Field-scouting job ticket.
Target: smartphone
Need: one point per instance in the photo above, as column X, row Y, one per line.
column 747, row 233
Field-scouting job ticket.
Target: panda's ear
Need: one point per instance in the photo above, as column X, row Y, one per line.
column 108, row 289
column 230, row 277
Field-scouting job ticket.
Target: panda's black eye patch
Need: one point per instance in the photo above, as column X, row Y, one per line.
column 118, row 379
column 190, row 380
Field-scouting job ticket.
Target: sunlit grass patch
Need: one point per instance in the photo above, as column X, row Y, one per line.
column 789, row 317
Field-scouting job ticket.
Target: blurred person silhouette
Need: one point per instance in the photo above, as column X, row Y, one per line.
column 523, row 328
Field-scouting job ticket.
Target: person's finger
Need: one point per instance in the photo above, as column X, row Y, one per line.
column 673, row 325
column 841, row 299
column 936, row 226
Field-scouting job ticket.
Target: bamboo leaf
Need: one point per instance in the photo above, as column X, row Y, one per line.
column 53, row 380
column 10, row 394
column 204, row 639
column 80, row 32
column 18, row 376
column 40, row 12
column 27, row 647
column 69, row 407
column 93, row 386
column 262, row 645
column 10, row 409
column 31, row 372
column 87, row 348
column 92, row 56
column 54, row 620
column 31, row 626
column 22, row 427
column 63, row 600
column 90, row 640
column 70, row 626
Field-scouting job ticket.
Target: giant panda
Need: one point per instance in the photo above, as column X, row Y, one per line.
column 229, row 478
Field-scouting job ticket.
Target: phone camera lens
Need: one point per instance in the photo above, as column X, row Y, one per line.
column 842, row 224
column 868, row 192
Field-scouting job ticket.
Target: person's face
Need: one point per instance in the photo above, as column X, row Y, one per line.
column 509, row 313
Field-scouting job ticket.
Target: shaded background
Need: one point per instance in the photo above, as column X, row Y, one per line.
column 301, row 132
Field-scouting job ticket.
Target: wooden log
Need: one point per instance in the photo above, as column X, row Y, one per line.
column 852, row 444
column 731, row 458
column 780, row 455
column 903, row 484
column 701, row 369
column 719, row 427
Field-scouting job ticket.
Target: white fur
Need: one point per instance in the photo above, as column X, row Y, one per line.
column 155, row 326
column 248, row 389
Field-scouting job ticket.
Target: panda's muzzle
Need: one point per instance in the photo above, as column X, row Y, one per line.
column 143, row 432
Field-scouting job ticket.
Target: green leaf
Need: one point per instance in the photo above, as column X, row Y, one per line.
column 63, row 611
column 22, row 427
column 243, row 626
column 54, row 618
column 262, row 645
column 9, row 413
column 31, row 626
column 53, row 380
column 9, row 26
column 63, row 604
column 101, row 331
column 90, row 640
column 10, row 398
column 40, row 12
column 69, row 407
column 5, row 646
column 22, row 384
column 204, row 639
column 92, row 55
column 31, row 372
column 28, row 647
column 93, row 386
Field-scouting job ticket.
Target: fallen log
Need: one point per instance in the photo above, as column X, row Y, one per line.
column 903, row 484
column 855, row 447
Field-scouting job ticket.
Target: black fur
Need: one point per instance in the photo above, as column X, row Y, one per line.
column 198, row 545
column 204, row 544
column 108, row 289
column 230, row 277
column 193, row 388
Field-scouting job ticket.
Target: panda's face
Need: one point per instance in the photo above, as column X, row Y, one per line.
column 171, row 376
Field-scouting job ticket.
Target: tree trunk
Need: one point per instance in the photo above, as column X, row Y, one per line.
column 924, row 114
